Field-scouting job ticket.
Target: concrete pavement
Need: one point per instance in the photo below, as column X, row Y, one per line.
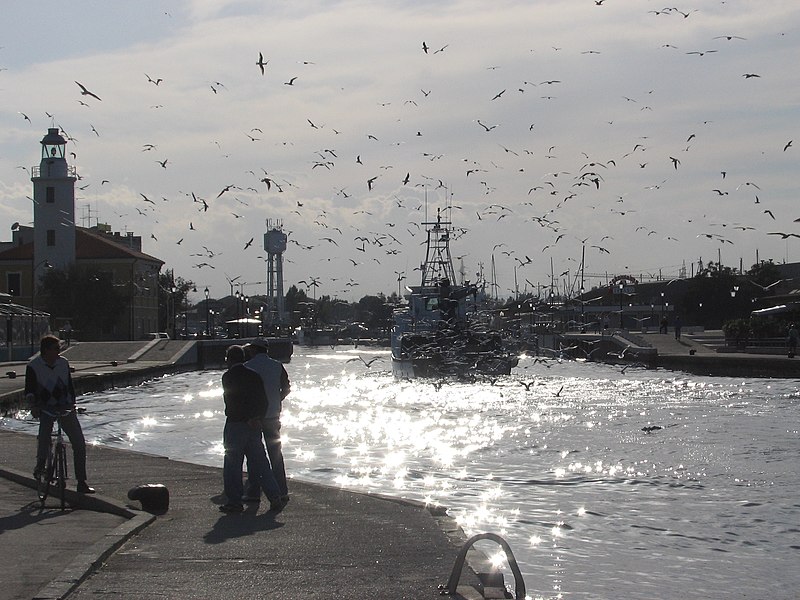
column 327, row 543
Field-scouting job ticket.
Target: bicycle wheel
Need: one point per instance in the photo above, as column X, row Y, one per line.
column 61, row 474
column 46, row 477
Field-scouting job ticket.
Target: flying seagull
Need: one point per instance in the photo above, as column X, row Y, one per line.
column 85, row 92
column 261, row 64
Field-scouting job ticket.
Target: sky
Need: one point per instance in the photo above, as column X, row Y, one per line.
column 645, row 138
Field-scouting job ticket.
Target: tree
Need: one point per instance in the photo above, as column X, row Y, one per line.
column 89, row 299
column 374, row 311
column 172, row 299
column 723, row 293
column 764, row 274
column 295, row 303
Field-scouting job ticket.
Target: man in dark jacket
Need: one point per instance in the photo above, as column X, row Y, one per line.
column 245, row 405
column 51, row 395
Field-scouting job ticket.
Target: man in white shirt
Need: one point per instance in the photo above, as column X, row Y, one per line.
column 276, row 385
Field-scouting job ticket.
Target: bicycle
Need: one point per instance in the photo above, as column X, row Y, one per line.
column 55, row 469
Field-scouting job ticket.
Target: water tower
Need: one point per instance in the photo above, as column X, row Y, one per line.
column 275, row 245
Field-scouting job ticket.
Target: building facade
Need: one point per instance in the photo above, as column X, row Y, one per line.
column 56, row 242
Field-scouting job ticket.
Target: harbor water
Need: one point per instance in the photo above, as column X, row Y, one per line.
column 606, row 481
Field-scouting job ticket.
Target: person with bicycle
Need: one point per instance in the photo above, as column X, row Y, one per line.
column 51, row 395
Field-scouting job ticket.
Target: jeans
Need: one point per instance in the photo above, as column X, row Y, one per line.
column 272, row 436
column 72, row 427
column 240, row 440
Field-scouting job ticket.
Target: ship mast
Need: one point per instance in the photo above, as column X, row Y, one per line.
column 438, row 262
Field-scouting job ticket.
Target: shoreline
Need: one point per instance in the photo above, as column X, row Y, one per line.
column 100, row 366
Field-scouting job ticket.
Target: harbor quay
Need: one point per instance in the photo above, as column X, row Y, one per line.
column 327, row 543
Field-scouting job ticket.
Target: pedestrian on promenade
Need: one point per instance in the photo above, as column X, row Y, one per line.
column 791, row 339
column 677, row 328
column 276, row 385
column 245, row 404
column 662, row 328
column 49, row 392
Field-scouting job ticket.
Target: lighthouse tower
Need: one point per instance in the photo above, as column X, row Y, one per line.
column 53, row 206
column 275, row 245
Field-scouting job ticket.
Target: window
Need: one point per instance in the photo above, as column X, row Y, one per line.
column 51, row 237
column 13, row 283
column 50, row 194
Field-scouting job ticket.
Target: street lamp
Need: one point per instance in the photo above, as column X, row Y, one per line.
column 172, row 290
column 205, row 293
column 621, row 288
column 238, row 316
column 33, row 293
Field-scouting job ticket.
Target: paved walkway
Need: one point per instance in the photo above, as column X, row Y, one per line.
column 46, row 537
column 327, row 543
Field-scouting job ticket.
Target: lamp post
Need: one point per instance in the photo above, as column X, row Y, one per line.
column 400, row 277
column 621, row 288
column 583, row 311
column 205, row 293
column 238, row 317
column 247, row 316
column 33, row 294
column 173, row 289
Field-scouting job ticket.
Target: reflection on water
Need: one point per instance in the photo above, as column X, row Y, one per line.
column 640, row 484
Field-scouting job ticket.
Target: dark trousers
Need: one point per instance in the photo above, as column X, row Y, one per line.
column 240, row 440
column 72, row 427
column 272, row 437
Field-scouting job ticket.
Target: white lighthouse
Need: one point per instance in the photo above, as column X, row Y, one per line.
column 53, row 206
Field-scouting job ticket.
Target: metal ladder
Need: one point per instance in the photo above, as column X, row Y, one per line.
column 491, row 583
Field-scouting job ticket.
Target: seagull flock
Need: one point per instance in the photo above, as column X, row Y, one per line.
column 352, row 185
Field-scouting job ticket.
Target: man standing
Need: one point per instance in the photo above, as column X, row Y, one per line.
column 245, row 404
column 275, row 380
column 50, row 396
column 792, row 338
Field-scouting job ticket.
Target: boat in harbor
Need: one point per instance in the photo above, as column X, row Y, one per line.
column 438, row 333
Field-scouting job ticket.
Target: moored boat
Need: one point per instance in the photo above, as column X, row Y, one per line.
column 437, row 333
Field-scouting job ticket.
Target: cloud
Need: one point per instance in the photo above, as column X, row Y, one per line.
column 367, row 102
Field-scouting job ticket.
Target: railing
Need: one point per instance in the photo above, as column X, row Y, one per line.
column 492, row 581
column 769, row 345
column 72, row 171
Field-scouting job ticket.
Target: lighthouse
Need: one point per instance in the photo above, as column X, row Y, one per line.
column 53, row 206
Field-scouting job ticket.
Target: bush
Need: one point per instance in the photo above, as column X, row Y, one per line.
column 737, row 329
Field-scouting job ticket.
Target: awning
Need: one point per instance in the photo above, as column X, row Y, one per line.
column 775, row 310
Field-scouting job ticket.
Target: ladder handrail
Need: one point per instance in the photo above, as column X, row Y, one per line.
column 455, row 575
